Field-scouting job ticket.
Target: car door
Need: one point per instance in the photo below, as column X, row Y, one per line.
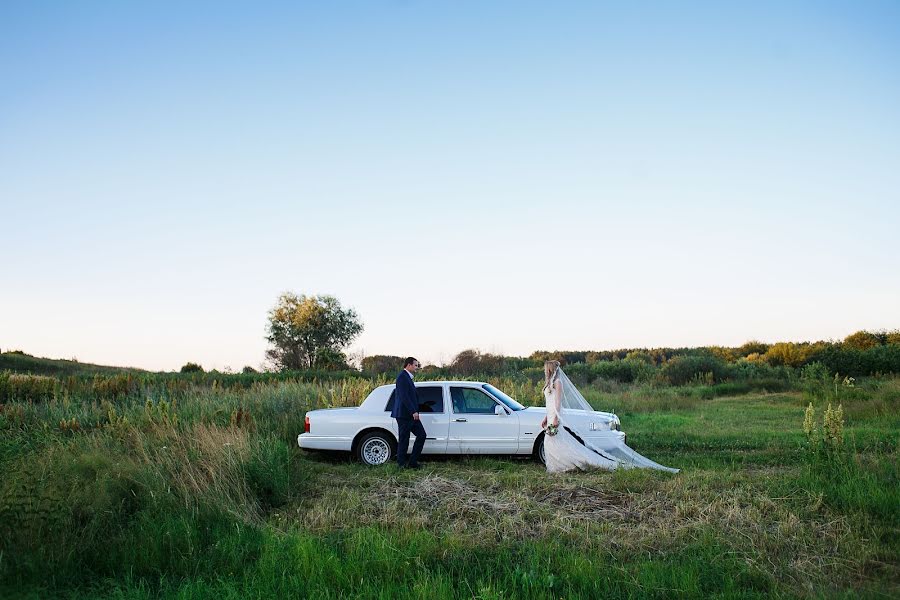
column 434, row 417
column 432, row 413
column 474, row 426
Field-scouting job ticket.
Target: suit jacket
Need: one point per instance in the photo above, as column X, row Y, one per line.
column 406, row 399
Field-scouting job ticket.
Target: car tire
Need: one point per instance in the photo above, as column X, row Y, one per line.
column 539, row 454
column 376, row 448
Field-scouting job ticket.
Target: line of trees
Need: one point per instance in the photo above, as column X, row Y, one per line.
column 312, row 332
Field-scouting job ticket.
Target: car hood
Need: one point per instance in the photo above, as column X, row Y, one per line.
column 588, row 413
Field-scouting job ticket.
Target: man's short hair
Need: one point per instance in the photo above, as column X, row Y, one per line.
column 409, row 361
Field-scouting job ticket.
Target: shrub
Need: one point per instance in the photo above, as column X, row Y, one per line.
column 752, row 347
column 816, row 379
column 815, row 371
column 624, row 371
column 471, row 362
column 726, row 354
column 749, row 369
column 881, row 359
column 381, row 363
column 684, row 369
column 640, row 355
column 862, row 340
column 846, row 360
column 790, row 354
column 191, row 368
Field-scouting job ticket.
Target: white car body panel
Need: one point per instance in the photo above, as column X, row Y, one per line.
column 449, row 431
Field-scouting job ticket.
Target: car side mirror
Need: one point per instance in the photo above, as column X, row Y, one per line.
column 499, row 410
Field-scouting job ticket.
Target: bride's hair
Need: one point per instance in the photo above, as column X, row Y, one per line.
column 551, row 373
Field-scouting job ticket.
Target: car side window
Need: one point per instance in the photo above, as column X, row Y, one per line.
column 471, row 401
column 431, row 399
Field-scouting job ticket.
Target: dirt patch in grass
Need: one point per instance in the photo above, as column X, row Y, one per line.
column 584, row 502
column 454, row 497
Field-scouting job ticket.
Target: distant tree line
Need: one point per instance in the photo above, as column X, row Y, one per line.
column 770, row 366
column 859, row 354
column 309, row 335
column 312, row 332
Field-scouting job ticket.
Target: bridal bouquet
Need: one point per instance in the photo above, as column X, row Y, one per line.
column 552, row 429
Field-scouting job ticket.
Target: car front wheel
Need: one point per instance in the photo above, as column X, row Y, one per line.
column 539, row 454
column 375, row 448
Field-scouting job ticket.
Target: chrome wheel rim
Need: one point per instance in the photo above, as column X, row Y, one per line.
column 376, row 451
column 543, row 456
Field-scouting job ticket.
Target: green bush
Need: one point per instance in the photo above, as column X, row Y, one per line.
column 746, row 370
column 791, row 354
column 685, row 369
column 380, row 363
column 624, row 371
column 846, row 360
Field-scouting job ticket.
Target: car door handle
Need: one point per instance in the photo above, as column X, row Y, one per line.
column 462, row 420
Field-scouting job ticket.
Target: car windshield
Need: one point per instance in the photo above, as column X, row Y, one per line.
column 503, row 397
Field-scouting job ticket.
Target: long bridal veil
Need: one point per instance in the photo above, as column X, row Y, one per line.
column 625, row 457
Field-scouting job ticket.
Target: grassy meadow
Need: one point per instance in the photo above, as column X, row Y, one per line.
column 186, row 488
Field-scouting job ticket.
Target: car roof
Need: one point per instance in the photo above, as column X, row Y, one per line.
column 443, row 382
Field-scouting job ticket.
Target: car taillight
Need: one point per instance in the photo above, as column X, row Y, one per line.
column 306, row 424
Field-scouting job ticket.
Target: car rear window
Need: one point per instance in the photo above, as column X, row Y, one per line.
column 431, row 399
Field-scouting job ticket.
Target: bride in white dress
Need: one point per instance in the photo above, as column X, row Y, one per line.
column 564, row 451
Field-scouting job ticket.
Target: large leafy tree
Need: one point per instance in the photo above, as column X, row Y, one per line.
column 309, row 332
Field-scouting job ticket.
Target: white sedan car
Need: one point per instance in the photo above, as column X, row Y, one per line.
column 460, row 417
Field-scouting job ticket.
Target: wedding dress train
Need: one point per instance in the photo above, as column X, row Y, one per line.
column 568, row 451
column 563, row 452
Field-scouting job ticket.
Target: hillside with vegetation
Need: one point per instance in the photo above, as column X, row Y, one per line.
column 18, row 361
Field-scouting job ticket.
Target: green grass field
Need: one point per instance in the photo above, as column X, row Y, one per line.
column 210, row 498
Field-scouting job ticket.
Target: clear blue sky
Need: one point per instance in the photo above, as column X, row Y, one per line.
column 510, row 176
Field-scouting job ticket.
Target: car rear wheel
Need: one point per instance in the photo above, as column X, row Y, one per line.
column 375, row 448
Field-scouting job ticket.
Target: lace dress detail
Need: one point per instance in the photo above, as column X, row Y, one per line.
column 563, row 451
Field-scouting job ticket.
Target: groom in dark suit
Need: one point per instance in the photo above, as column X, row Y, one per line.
column 406, row 411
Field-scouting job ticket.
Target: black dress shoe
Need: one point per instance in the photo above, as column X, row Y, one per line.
column 415, row 466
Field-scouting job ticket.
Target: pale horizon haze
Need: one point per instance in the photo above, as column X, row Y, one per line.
column 507, row 176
